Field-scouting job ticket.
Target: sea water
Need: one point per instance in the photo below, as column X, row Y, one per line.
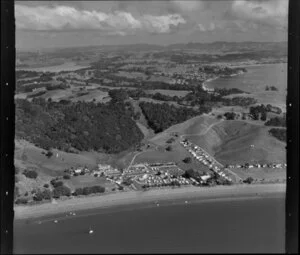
column 255, row 79
column 224, row 226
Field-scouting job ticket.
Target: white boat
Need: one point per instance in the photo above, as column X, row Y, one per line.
column 91, row 231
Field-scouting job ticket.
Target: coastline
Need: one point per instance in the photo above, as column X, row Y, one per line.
column 241, row 191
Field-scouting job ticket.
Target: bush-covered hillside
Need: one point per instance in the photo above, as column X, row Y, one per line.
column 279, row 133
column 162, row 116
column 83, row 126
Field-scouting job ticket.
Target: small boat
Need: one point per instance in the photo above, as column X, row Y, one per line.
column 91, row 231
column 55, row 221
column 186, row 202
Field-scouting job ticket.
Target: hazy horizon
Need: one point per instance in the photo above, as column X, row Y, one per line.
column 62, row 24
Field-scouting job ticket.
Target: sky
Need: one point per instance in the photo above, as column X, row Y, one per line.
column 51, row 24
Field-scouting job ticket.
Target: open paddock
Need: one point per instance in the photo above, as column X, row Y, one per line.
column 178, row 93
column 156, row 156
column 150, row 100
column 87, row 180
column 267, row 174
column 98, row 96
column 131, row 75
column 274, row 98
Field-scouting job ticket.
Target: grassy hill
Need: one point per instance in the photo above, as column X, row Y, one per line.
column 230, row 142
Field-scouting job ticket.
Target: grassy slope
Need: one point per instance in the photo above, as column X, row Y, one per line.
column 230, row 142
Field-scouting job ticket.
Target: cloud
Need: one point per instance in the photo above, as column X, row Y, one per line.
column 209, row 28
column 189, row 5
column 237, row 26
column 67, row 18
column 267, row 12
column 162, row 24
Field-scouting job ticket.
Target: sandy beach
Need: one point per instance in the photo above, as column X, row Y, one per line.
column 135, row 197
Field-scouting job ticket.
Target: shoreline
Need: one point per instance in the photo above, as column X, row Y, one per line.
column 205, row 84
column 258, row 64
column 240, row 191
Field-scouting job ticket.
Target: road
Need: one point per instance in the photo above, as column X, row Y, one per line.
column 216, row 161
column 203, row 132
column 132, row 160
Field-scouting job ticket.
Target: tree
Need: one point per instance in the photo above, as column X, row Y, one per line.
column 169, row 148
column 187, row 160
column 21, row 201
column 249, row 180
column 171, row 140
column 229, row 115
column 56, row 183
column 67, row 177
column 61, row 191
column 49, row 154
column 30, row 174
column 16, row 192
column 191, row 173
column 263, row 116
column 42, row 195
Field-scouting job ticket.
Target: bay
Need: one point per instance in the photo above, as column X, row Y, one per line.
column 221, row 226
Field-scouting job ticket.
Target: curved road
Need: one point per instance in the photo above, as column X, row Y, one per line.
column 200, row 134
column 203, row 133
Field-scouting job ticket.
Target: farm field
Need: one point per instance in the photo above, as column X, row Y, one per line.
column 179, row 93
column 262, row 174
column 88, row 181
column 98, row 96
column 26, row 152
column 161, row 156
column 266, row 97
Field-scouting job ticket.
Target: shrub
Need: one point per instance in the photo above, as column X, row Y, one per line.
column 89, row 190
column 61, row 191
column 249, row 180
column 278, row 133
column 16, row 192
column 42, row 195
column 78, row 191
column 171, row 140
column 187, row 160
column 169, row 148
column 67, row 177
column 57, row 184
column 49, row 154
column 17, row 170
column 21, row 201
column 127, row 182
column 30, row 174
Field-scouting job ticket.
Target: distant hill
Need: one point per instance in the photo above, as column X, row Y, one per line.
column 226, row 46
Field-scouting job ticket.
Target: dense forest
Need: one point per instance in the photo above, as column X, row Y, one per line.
column 162, row 116
column 81, row 126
